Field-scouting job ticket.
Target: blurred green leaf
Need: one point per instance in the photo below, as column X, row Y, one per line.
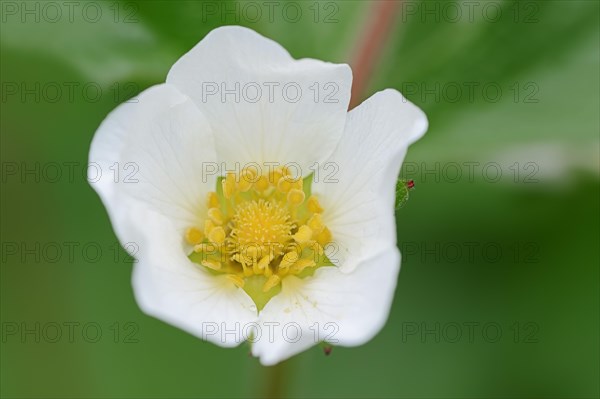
column 494, row 88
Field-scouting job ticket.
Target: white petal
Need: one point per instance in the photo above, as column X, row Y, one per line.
column 152, row 151
column 357, row 184
column 344, row 309
column 269, row 127
column 146, row 164
column 169, row 286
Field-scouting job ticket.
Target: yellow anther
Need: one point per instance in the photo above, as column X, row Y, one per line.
column 264, row 262
column 262, row 184
column 313, row 205
column 268, row 272
column 216, row 216
column 275, row 175
column 288, row 259
column 237, row 280
column 250, row 173
column 303, row 235
column 303, row 264
column 284, row 170
column 193, row 236
column 244, row 185
column 244, row 262
column 290, row 183
column 324, row 237
column 295, row 197
column 284, row 184
column 298, row 184
column 317, row 248
column 208, row 226
column 251, row 251
column 228, row 185
column 206, row 247
column 211, row 264
column 217, row 235
column 271, row 282
column 263, row 265
column 316, row 223
column 255, row 268
column 247, row 178
column 212, row 200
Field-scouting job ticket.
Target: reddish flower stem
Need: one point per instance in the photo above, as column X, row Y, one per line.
column 371, row 44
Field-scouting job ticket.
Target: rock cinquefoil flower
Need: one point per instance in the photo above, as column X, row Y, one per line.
column 260, row 209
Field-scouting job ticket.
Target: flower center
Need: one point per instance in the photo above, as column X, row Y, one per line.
column 262, row 223
column 260, row 229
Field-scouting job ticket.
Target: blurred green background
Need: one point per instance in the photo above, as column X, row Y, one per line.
column 498, row 295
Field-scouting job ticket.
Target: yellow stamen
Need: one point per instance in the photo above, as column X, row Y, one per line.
column 316, row 223
column 260, row 225
column 295, row 197
column 317, row 248
column 324, row 237
column 208, row 226
column 284, row 170
column 262, row 184
column 288, row 259
column 298, row 184
column 247, row 178
column 303, row 264
column 206, row 248
column 264, row 262
column 313, row 205
column 271, row 282
column 212, row 200
column 251, row 251
column 237, row 280
column 216, row 216
column 211, row 264
column 284, row 184
column 193, row 236
column 303, row 235
column 217, row 235
column 274, row 176
column 228, row 185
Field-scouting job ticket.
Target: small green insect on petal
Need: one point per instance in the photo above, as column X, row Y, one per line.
column 403, row 187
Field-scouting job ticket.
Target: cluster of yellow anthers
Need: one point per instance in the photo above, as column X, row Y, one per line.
column 261, row 225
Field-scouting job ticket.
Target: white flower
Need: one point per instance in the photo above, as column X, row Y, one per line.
column 266, row 256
